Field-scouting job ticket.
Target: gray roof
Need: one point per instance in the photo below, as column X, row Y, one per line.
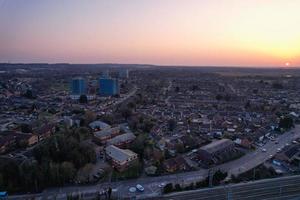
column 106, row 132
column 118, row 154
column 99, row 124
column 121, row 138
column 217, row 145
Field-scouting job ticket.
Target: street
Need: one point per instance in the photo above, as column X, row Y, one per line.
column 151, row 184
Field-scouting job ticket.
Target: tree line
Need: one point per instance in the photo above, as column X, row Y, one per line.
column 55, row 162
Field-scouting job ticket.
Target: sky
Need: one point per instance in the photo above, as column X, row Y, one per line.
column 162, row 32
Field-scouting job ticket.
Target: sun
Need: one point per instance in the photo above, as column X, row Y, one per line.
column 287, row 64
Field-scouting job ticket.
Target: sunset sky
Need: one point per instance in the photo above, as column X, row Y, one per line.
column 167, row 32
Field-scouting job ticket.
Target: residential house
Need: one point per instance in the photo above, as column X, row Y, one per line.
column 121, row 159
column 122, row 140
column 98, row 125
column 216, row 151
column 104, row 135
column 44, row 131
column 175, row 164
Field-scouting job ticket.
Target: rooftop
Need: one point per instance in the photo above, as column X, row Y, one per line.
column 122, row 138
column 120, row 155
column 106, row 132
column 217, row 145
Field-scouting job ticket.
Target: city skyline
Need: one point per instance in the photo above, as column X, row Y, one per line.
column 197, row 33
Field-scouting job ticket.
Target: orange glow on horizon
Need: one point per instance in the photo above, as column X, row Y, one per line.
column 170, row 32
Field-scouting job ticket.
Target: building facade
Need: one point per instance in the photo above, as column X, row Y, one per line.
column 108, row 87
column 78, row 86
column 121, row 159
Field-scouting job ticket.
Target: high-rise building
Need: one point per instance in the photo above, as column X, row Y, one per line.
column 123, row 73
column 108, row 87
column 105, row 74
column 78, row 86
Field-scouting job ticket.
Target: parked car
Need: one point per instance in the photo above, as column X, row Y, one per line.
column 140, row 188
column 278, row 150
column 132, row 189
column 161, row 185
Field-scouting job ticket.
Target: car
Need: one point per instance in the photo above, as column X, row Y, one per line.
column 140, row 188
column 295, row 142
column 276, row 142
column 271, row 156
column 132, row 189
column 3, row 195
column 278, row 150
column 161, row 185
column 264, row 150
column 287, row 144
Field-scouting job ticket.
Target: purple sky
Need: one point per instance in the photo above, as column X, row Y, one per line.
column 191, row 32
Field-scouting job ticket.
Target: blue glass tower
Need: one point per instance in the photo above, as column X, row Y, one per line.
column 108, row 86
column 78, row 86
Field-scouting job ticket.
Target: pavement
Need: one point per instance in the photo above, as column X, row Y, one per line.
column 151, row 184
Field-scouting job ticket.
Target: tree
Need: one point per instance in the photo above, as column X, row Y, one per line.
column 195, row 87
column 1, row 179
column 286, row 122
column 227, row 97
column 107, row 118
column 109, row 192
column 179, row 148
column 67, row 172
column 29, row 94
column 126, row 113
column 131, row 105
column 177, row 188
column 277, row 85
column 84, row 172
column 90, row 116
column 22, row 143
column 10, row 175
column 168, row 188
column 138, row 145
column 171, row 124
column 218, row 177
column 29, row 175
column 147, row 126
column 247, row 105
column 219, row 97
column 26, row 128
column 82, row 133
column 83, row 99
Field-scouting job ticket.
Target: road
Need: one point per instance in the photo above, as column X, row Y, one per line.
column 268, row 189
column 168, row 88
column 150, row 184
column 255, row 158
column 127, row 96
column 120, row 100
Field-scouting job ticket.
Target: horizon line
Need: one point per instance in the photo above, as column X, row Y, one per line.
column 154, row 65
